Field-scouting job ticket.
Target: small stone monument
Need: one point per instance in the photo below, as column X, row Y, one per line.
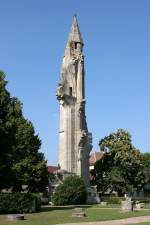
column 78, row 212
column 92, row 196
column 15, row 217
column 127, row 205
column 103, row 203
column 138, row 205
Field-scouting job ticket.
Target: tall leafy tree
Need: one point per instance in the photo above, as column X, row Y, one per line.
column 120, row 169
column 21, row 163
column 145, row 159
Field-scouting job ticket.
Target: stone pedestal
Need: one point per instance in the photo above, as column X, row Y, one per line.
column 15, row 217
column 78, row 212
column 138, row 205
column 92, row 195
column 127, row 206
column 103, row 203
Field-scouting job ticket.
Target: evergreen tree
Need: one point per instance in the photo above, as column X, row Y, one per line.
column 21, row 163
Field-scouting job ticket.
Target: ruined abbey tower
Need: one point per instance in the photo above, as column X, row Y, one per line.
column 75, row 142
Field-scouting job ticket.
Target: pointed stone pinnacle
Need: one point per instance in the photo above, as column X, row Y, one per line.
column 75, row 34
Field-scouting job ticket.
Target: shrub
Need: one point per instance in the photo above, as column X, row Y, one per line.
column 19, row 203
column 44, row 198
column 72, row 191
column 113, row 200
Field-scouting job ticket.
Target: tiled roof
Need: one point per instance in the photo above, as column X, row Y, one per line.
column 94, row 157
column 52, row 169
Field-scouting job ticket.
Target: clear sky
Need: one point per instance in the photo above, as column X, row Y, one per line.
column 116, row 33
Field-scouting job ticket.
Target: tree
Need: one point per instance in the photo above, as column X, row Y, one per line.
column 120, row 170
column 145, row 159
column 6, row 134
column 21, row 163
column 71, row 191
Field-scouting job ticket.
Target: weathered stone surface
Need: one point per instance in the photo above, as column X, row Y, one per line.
column 15, row 217
column 78, row 212
column 138, row 205
column 127, row 205
column 75, row 142
column 103, row 203
column 92, row 195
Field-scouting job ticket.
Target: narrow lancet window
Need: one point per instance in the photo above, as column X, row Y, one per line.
column 70, row 91
column 75, row 45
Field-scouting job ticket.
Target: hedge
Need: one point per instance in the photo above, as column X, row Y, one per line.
column 19, row 203
column 112, row 200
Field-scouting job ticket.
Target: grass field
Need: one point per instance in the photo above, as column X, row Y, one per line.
column 146, row 206
column 50, row 216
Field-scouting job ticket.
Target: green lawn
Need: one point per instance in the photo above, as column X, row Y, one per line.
column 146, row 206
column 51, row 216
column 106, row 206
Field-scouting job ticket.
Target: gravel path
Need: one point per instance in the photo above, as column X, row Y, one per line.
column 116, row 222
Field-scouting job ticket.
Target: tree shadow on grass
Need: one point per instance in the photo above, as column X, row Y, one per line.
column 48, row 208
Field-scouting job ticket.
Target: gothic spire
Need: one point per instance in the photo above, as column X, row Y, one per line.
column 75, row 35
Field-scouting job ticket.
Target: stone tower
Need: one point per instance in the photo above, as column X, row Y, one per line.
column 75, row 142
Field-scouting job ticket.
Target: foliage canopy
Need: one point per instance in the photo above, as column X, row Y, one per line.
column 71, row 191
column 21, row 163
column 120, row 170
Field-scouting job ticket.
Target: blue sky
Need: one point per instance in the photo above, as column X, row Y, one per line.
column 117, row 62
